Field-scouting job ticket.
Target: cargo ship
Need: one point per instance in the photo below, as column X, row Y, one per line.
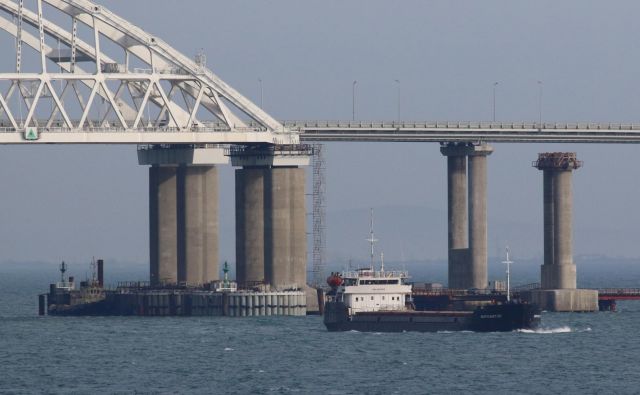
column 369, row 300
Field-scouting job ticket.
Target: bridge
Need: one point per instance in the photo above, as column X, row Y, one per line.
column 100, row 79
column 212, row 132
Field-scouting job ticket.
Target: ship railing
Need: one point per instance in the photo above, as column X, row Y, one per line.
column 456, row 292
column 375, row 274
column 526, row 287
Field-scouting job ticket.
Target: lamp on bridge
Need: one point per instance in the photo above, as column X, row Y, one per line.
column 353, row 97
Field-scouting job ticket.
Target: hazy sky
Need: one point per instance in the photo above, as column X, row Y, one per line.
column 71, row 203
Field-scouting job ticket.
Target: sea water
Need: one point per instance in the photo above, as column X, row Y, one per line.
column 571, row 353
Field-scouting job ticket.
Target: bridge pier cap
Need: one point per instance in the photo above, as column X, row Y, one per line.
column 557, row 161
column 171, row 155
column 466, row 149
column 270, row 155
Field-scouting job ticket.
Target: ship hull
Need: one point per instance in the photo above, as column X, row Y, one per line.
column 97, row 308
column 495, row 318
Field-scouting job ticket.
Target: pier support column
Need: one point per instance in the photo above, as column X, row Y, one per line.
column 163, row 226
column 478, row 277
column 197, row 224
column 250, row 225
column 183, row 213
column 558, row 273
column 271, row 237
column 467, row 214
column 558, row 270
column 457, row 213
column 285, row 238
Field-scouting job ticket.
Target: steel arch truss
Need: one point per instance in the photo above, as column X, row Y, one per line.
column 149, row 89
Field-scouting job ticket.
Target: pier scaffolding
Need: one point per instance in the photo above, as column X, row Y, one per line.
column 319, row 214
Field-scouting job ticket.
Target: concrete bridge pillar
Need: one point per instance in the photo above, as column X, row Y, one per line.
column 457, row 213
column 285, row 228
column 558, row 273
column 183, row 213
column 478, row 216
column 558, row 270
column 163, row 225
column 271, row 238
column 197, row 224
column 467, row 219
column 250, row 225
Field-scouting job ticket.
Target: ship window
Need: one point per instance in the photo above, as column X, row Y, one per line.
column 382, row 297
column 372, row 298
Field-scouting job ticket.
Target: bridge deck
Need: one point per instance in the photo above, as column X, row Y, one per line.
column 512, row 132
column 327, row 131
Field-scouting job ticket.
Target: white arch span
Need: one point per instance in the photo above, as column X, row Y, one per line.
column 191, row 104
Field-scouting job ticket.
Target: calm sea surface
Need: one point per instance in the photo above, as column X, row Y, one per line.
column 574, row 353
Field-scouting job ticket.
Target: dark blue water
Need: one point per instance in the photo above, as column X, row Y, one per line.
column 575, row 353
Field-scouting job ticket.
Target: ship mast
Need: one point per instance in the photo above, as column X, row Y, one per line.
column 63, row 269
column 372, row 240
column 508, row 262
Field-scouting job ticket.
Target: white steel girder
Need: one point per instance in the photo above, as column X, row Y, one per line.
column 180, row 89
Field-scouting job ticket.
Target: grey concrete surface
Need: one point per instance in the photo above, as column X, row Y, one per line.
column 163, row 251
column 250, row 225
column 564, row 300
column 285, row 227
column 457, row 215
column 198, row 224
column 477, row 275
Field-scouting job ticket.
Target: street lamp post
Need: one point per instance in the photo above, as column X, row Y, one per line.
column 398, row 82
column 540, row 86
column 353, row 100
column 261, row 93
column 495, row 84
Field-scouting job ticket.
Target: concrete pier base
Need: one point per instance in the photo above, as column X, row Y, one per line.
column 563, row 300
column 311, row 295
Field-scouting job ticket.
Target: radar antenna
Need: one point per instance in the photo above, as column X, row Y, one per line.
column 372, row 240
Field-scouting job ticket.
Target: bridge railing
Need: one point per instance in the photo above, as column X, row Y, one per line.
column 458, row 125
column 204, row 128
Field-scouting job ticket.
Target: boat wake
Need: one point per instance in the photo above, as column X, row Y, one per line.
column 546, row 331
